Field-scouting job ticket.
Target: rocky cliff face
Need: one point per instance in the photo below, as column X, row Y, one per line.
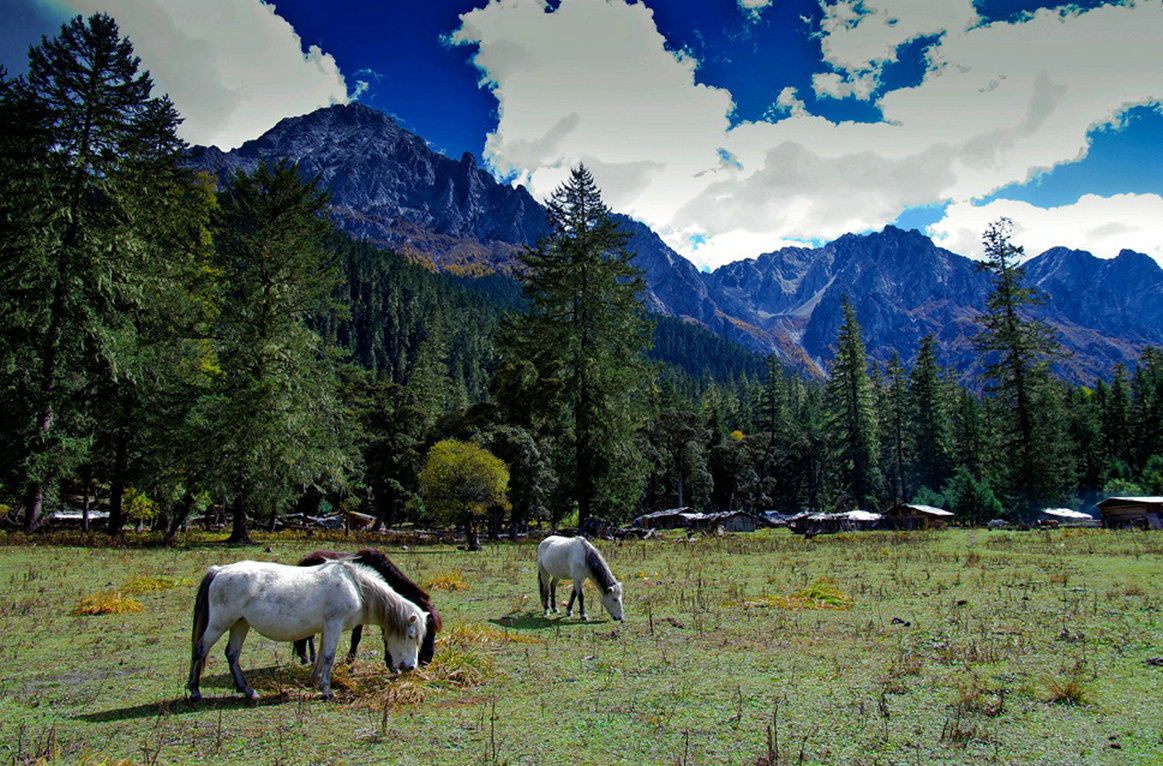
column 903, row 287
column 387, row 186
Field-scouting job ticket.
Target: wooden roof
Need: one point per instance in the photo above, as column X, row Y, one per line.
column 909, row 509
column 1129, row 507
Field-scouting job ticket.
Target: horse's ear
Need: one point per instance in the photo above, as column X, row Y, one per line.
column 412, row 619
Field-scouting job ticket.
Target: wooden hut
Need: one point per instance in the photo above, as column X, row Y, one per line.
column 1144, row 512
column 674, row 518
column 728, row 521
column 916, row 516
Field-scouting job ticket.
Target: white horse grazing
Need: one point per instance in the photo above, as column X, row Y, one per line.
column 574, row 558
column 287, row 603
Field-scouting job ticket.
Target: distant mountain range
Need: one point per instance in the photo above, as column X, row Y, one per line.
column 388, row 187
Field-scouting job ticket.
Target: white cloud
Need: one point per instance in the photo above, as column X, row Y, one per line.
column 1106, row 225
column 858, row 37
column 754, row 7
column 233, row 68
column 594, row 81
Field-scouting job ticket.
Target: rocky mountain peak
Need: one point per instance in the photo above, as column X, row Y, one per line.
column 387, row 185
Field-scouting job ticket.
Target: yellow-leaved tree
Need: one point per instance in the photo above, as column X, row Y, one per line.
column 459, row 481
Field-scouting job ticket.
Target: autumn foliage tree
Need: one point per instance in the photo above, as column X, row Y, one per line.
column 459, row 481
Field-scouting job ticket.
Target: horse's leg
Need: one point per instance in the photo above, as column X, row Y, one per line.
column 572, row 596
column 327, row 645
column 299, row 649
column 581, row 600
column 198, row 652
column 553, row 594
column 543, row 588
column 356, row 635
column 233, row 650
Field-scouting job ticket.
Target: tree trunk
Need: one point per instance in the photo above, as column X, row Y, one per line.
column 181, row 513
column 117, row 485
column 515, row 517
column 239, row 534
column 472, row 542
column 87, row 478
column 33, row 507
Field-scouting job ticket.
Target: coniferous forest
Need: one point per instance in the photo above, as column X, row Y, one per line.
column 167, row 346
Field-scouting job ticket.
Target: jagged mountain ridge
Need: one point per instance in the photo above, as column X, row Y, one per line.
column 389, row 187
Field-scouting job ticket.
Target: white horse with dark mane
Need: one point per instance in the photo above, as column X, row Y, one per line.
column 574, row 558
column 287, row 603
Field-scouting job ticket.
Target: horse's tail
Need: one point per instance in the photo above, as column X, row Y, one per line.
column 201, row 620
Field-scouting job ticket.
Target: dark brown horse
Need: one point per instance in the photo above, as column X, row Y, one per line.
column 392, row 576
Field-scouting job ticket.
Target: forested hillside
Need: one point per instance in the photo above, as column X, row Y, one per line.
column 169, row 345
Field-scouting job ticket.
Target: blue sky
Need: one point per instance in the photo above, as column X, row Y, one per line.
column 732, row 127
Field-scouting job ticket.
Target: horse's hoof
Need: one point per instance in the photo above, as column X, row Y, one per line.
column 252, row 695
column 328, row 697
column 195, row 697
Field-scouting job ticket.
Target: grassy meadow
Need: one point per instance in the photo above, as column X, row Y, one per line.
column 961, row 647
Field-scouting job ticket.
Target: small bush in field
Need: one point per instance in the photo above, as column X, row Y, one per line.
column 106, row 602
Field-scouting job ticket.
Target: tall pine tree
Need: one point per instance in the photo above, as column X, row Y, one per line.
column 852, row 414
column 102, row 216
column 587, row 326
column 1016, row 352
column 273, row 421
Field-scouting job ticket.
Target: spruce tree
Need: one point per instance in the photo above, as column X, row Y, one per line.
column 894, row 431
column 272, row 421
column 586, row 326
column 1016, row 351
column 98, row 224
column 852, row 414
column 929, row 419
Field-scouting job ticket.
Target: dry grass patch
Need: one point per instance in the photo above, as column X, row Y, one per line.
column 821, row 594
column 481, row 634
column 106, row 602
column 447, row 581
column 149, row 584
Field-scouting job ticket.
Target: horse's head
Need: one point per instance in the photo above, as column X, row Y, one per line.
column 402, row 648
column 612, row 601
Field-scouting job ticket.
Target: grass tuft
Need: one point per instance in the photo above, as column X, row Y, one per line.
column 447, row 581
column 106, row 602
column 1070, row 687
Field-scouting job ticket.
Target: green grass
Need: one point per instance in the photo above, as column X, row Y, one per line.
column 960, row 647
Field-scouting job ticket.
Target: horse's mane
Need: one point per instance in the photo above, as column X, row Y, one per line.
column 399, row 581
column 599, row 570
column 392, row 609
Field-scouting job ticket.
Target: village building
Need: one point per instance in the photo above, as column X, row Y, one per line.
column 687, row 518
column 916, row 516
column 827, row 523
column 1144, row 512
